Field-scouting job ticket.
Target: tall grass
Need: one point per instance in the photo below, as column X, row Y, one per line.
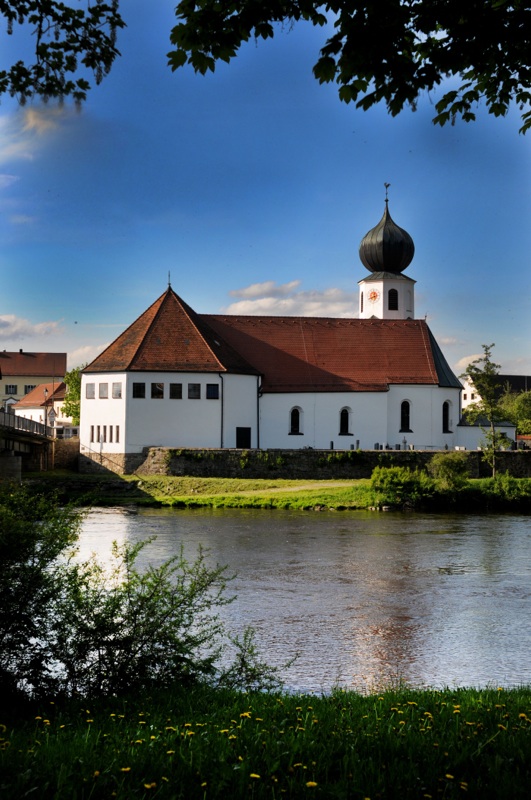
column 208, row 743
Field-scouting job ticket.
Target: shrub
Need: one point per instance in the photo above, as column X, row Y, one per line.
column 78, row 629
column 399, row 486
column 34, row 533
column 450, row 470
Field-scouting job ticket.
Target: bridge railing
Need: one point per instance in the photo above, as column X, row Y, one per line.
column 15, row 422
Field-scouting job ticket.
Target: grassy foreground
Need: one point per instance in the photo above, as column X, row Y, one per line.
column 208, row 743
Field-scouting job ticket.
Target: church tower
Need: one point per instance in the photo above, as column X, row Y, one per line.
column 386, row 251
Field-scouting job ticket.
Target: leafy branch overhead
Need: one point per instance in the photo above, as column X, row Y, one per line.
column 68, row 43
column 376, row 51
column 389, row 51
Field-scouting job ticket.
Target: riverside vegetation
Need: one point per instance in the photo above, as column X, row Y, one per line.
column 445, row 487
column 113, row 685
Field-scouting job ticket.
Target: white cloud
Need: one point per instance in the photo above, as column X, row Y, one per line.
column 21, row 219
column 12, row 327
column 85, row 354
column 284, row 301
column 265, row 289
column 7, row 180
column 463, row 363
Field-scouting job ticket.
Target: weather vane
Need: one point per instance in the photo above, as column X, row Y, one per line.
column 169, row 280
column 387, row 185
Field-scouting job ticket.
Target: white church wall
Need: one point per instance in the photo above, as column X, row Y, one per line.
column 102, row 414
column 177, row 410
column 425, row 416
column 319, row 415
column 240, row 407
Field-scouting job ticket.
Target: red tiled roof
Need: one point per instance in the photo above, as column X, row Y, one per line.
column 169, row 337
column 22, row 363
column 329, row 354
column 35, row 398
column 291, row 353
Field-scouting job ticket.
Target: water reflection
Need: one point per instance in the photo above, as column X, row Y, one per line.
column 364, row 598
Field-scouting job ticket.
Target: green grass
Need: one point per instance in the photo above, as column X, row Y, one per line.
column 207, row 743
column 475, row 496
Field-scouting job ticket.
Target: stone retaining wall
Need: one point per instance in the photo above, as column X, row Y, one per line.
column 289, row 464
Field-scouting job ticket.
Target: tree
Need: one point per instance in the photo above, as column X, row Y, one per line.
column 387, row 51
column 483, row 374
column 516, row 407
column 67, row 41
column 72, row 404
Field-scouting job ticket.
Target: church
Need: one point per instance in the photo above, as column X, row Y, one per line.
column 179, row 379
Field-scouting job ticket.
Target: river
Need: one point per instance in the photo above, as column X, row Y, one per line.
column 364, row 599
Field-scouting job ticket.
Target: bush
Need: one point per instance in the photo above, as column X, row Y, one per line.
column 77, row 629
column 450, row 470
column 400, row 486
column 34, row 533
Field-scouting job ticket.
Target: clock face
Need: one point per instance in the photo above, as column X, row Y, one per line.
column 374, row 296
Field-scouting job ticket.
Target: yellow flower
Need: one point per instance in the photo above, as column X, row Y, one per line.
column 311, row 784
column 246, row 714
column 96, row 773
column 170, row 752
column 450, row 777
column 254, row 775
column 150, row 785
column 126, row 769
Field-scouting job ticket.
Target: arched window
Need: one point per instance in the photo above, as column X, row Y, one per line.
column 405, row 421
column 446, row 417
column 392, row 300
column 295, row 421
column 344, row 422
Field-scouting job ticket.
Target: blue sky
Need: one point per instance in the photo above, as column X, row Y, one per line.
column 252, row 187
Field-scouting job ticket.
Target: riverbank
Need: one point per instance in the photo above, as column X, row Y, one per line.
column 485, row 494
column 206, row 743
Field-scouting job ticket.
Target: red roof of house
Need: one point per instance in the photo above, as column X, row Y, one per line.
column 38, row 364
column 291, row 353
column 331, row 354
column 169, row 337
column 36, row 398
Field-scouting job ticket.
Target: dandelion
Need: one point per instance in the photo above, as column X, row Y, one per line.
column 170, row 752
column 246, row 714
column 204, row 784
column 96, row 773
column 502, row 727
column 254, row 775
column 125, row 769
column 450, row 777
column 150, row 785
column 311, row 784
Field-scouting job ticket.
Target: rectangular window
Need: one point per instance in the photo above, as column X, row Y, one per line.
column 98, row 433
column 139, row 390
column 92, row 433
column 90, row 391
column 194, row 391
column 110, row 433
column 212, row 391
column 157, row 391
column 103, row 391
column 29, row 388
column 11, row 388
column 105, row 433
column 117, row 391
column 176, row 391
column 117, row 437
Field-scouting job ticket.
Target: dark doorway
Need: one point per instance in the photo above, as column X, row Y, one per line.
column 243, row 438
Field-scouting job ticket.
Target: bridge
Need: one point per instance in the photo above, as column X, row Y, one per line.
column 25, row 438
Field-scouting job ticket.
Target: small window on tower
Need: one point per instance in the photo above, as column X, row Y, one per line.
column 392, row 300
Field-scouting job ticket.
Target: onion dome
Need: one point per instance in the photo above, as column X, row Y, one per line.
column 387, row 247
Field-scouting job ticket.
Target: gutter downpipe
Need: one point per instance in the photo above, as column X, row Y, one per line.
column 258, row 396
column 222, row 410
